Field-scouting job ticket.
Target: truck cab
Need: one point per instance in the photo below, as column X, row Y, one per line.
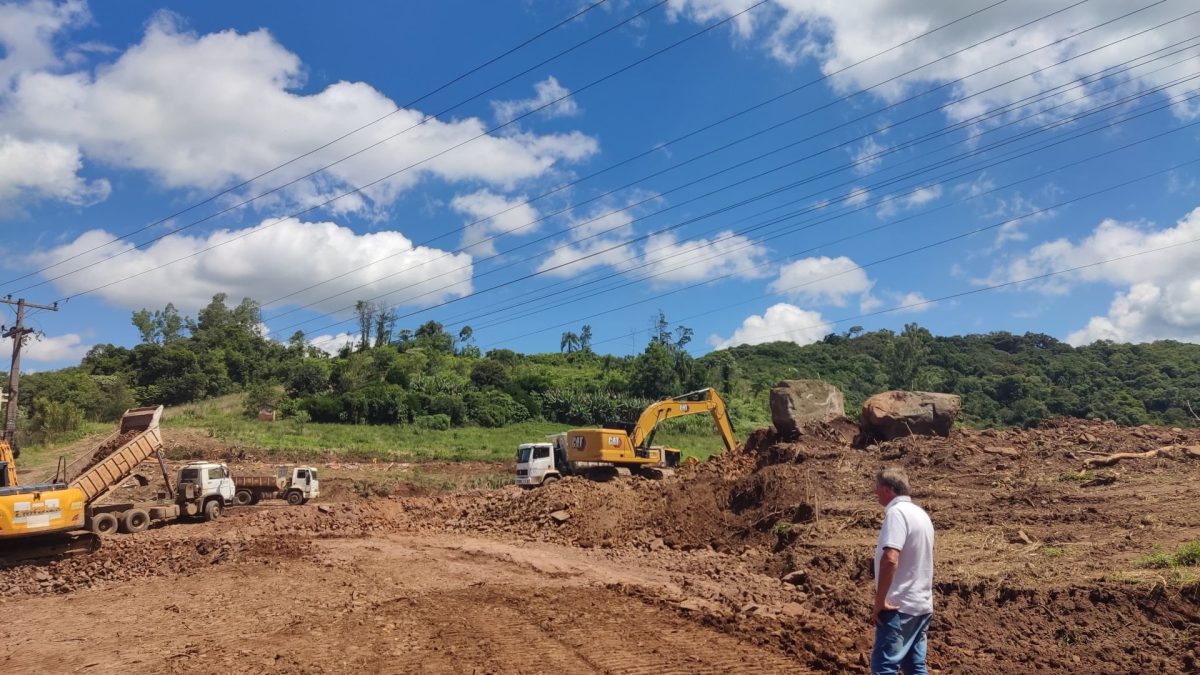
column 302, row 479
column 537, row 464
column 203, row 483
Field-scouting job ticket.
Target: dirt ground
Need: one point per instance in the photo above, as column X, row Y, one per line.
column 756, row 561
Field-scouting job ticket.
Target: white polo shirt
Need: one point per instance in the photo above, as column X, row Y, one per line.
column 907, row 528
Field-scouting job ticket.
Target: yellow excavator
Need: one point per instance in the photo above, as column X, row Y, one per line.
column 39, row 508
column 64, row 506
column 601, row 454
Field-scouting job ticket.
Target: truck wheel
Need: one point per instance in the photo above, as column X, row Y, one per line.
column 243, row 498
column 549, row 479
column 212, row 510
column 103, row 523
column 295, row 498
column 134, row 521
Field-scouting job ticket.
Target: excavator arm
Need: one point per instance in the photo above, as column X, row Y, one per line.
column 692, row 403
column 8, row 467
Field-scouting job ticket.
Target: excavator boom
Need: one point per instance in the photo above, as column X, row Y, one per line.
column 691, row 403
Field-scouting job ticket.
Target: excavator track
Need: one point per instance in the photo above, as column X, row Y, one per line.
column 46, row 546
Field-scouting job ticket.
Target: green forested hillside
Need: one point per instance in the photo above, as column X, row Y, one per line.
column 432, row 379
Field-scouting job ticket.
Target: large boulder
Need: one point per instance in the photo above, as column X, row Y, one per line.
column 893, row 414
column 795, row 403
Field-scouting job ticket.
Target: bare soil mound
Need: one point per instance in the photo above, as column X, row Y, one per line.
column 1036, row 558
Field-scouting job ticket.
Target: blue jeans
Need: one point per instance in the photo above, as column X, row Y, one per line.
column 899, row 643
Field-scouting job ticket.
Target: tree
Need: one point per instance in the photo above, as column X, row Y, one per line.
column 365, row 312
column 163, row 326
column 144, row 322
column 661, row 330
column 685, row 336
column 569, row 342
column 488, row 373
column 297, row 343
column 432, row 335
column 385, row 324
column 905, row 356
column 654, row 373
column 585, row 338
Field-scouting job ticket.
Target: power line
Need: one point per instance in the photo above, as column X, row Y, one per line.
column 1099, row 126
column 524, row 305
column 954, row 296
column 344, row 136
column 919, row 248
column 659, row 146
column 594, row 254
column 360, row 188
column 1008, row 107
column 678, row 205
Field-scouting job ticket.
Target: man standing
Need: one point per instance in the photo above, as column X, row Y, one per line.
column 903, row 579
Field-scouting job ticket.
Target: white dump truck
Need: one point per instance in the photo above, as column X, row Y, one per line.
column 294, row 484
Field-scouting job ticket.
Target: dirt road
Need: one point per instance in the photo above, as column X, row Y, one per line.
column 757, row 561
column 384, row 604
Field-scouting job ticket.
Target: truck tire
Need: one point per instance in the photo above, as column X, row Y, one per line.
column 549, row 479
column 134, row 521
column 295, row 498
column 103, row 523
column 212, row 510
column 243, row 498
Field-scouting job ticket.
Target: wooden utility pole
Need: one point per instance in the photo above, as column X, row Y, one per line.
column 18, row 333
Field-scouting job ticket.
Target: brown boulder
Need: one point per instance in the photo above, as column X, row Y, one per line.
column 795, row 403
column 894, row 414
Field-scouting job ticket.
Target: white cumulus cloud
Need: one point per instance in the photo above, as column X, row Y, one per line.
column 837, row 34
column 546, row 93
column 697, row 259
column 822, row 280
column 1161, row 298
column 47, row 349
column 206, row 111
column 499, row 215
column 780, row 323
column 274, row 261
column 45, row 169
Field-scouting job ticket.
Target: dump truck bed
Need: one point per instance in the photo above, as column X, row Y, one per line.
column 260, row 482
column 137, row 439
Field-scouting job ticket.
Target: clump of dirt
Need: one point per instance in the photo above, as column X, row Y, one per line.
column 125, row 558
column 107, row 448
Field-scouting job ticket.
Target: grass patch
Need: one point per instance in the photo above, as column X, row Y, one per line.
column 1053, row 551
column 1078, row 476
column 222, row 418
column 1186, row 555
column 38, row 458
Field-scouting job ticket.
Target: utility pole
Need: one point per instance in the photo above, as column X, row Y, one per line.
column 18, row 333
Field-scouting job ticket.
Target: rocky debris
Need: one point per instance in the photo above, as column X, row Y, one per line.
column 560, row 516
column 895, row 414
column 795, row 403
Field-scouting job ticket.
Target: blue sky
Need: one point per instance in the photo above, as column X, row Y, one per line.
column 116, row 116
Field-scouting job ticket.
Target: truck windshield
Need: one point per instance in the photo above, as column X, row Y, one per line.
column 523, row 455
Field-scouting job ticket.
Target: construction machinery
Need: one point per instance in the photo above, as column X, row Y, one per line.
column 293, row 484
column 601, row 454
column 67, row 513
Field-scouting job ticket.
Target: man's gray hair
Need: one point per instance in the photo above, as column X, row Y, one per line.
column 893, row 477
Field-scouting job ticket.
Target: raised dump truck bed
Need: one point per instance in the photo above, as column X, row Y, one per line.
column 137, row 439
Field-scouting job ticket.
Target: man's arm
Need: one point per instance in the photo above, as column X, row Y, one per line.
column 887, row 572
